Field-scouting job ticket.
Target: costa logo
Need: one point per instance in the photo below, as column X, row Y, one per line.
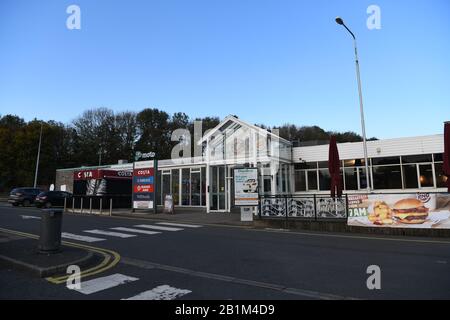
column 143, row 172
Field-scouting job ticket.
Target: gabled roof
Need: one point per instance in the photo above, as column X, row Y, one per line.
column 231, row 120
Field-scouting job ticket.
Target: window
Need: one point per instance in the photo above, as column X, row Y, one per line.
column 440, row 178
column 354, row 163
column 165, row 184
column 203, row 172
column 300, row 180
column 323, row 164
column 426, row 176
column 351, row 178
column 195, row 188
column 438, row 157
column 410, row 176
column 385, row 160
column 176, row 186
column 387, row 177
column 312, row 179
column 185, row 187
column 416, row 158
column 158, row 188
column 324, row 179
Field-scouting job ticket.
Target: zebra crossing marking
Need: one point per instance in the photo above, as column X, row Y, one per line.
column 163, row 292
column 78, row 237
column 135, row 230
column 103, row 283
column 110, row 233
column 148, row 226
column 180, row 224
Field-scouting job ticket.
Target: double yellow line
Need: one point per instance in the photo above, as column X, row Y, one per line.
column 110, row 258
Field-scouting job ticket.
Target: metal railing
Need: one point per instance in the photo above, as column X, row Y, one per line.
column 308, row 207
column 97, row 204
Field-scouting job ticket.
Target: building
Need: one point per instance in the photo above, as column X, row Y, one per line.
column 401, row 165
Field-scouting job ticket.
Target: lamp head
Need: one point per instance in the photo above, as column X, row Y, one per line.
column 339, row 21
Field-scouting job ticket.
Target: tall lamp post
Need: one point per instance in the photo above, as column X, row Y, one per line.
column 37, row 158
column 363, row 126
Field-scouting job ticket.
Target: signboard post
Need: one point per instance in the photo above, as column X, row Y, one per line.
column 246, row 191
column 144, row 186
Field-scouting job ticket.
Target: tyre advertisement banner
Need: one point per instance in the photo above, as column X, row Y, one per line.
column 246, row 187
column 143, row 184
column 414, row 210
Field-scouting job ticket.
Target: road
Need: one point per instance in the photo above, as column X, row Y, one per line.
column 160, row 261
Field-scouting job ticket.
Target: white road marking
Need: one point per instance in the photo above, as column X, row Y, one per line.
column 80, row 238
column 110, row 233
column 30, row 217
column 148, row 226
column 163, row 292
column 135, row 230
column 99, row 284
column 180, row 224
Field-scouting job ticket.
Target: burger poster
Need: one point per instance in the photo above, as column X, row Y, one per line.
column 417, row 210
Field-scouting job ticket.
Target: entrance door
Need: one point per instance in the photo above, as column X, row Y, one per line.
column 218, row 188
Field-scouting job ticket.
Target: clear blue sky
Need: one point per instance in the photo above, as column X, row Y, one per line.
column 268, row 62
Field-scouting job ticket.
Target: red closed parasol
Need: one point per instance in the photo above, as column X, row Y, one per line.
column 334, row 166
column 446, row 166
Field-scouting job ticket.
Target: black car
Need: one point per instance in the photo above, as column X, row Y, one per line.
column 50, row 199
column 23, row 196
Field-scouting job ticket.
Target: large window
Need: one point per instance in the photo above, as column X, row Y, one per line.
column 185, row 187
column 176, row 186
column 300, row 181
column 387, row 177
column 351, row 178
column 195, row 187
column 426, row 176
column 410, row 176
column 324, row 179
column 440, row 178
column 312, row 179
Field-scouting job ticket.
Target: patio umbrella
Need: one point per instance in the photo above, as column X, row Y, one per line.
column 446, row 166
column 334, row 168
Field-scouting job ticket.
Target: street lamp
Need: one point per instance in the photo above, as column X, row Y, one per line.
column 363, row 126
column 37, row 159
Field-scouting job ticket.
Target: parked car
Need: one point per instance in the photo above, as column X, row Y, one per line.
column 50, row 199
column 23, row 196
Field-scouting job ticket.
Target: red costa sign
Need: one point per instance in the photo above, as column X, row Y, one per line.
column 99, row 174
column 143, row 172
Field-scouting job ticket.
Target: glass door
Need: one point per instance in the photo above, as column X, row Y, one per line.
column 218, row 188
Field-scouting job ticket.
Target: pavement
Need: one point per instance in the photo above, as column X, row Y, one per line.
column 161, row 259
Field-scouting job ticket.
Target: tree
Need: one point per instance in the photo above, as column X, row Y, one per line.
column 153, row 132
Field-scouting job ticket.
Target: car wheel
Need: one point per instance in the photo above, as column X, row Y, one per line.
column 48, row 205
column 26, row 203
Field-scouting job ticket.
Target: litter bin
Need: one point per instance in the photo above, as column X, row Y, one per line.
column 50, row 237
